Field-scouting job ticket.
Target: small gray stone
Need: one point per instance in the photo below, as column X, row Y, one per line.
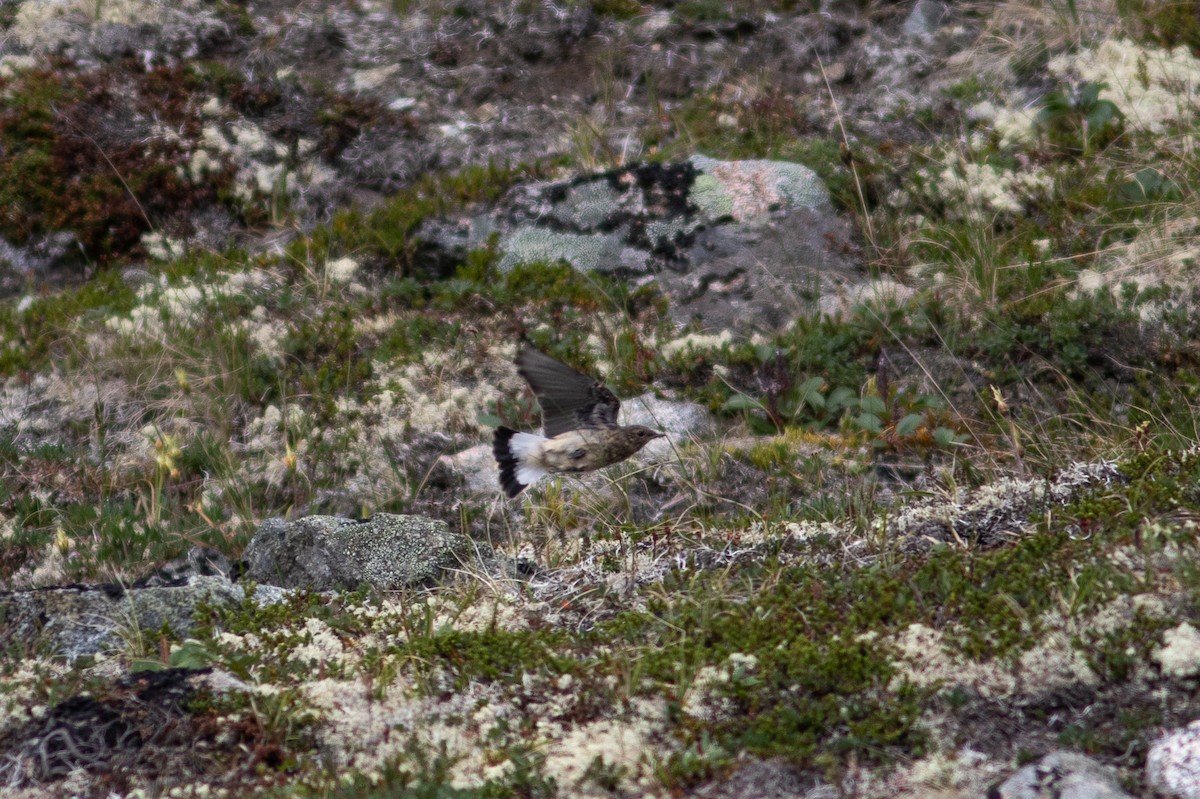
column 925, row 18
column 1062, row 775
column 775, row 778
column 476, row 467
column 323, row 553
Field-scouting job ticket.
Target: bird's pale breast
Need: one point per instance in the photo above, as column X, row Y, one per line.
column 575, row 451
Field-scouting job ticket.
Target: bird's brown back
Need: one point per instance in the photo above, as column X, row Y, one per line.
column 570, row 400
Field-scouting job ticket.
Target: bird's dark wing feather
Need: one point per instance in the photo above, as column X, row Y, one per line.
column 569, row 399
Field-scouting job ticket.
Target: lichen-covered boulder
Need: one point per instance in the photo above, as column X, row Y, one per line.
column 386, row 551
column 737, row 245
column 73, row 621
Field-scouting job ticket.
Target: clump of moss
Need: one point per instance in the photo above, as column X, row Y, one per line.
column 80, row 151
column 388, row 233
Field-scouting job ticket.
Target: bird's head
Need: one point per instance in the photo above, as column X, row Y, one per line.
column 641, row 436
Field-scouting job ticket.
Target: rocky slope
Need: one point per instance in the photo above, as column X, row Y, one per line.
column 910, row 286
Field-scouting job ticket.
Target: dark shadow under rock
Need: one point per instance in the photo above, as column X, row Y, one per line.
column 137, row 732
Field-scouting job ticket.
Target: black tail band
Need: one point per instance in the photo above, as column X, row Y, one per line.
column 502, row 449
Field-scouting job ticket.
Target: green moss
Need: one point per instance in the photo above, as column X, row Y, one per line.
column 118, row 533
column 44, row 329
column 967, row 91
column 491, row 656
column 1167, row 24
column 818, row 689
column 823, row 687
column 422, row 771
column 325, row 360
column 772, row 455
column 388, row 232
column 1084, row 336
column 1162, row 481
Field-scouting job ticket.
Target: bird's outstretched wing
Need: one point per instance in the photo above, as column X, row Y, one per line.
column 569, row 399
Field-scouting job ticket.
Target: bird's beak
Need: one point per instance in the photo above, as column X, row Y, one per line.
column 660, row 435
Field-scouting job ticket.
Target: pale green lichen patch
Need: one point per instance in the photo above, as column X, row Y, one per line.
column 583, row 251
column 746, row 190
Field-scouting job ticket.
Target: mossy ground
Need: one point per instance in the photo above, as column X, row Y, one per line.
column 766, row 613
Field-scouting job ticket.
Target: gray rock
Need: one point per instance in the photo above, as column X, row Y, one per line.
column 775, row 778
column 74, row 621
column 50, row 260
column 323, row 553
column 1062, row 775
column 759, row 276
column 679, row 420
column 199, row 561
column 925, row 18
column 475, row 467
column 745, row 245
column 1173, row 763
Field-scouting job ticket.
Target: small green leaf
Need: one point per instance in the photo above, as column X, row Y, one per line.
column 488, row 419
column 872, row 404
column 909, row 424
column 811, row 384
column 190, row 655
column 810, row 393
column 944, row 437
column 1089, row 93
column 741, row 402
column 929, row 401
column 840, row 397
column 869, row 422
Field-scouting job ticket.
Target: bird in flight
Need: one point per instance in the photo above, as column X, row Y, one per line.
column 579, row 417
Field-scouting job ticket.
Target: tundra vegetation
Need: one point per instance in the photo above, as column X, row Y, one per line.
column 937, row 535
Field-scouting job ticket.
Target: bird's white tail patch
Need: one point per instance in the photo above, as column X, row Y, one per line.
column 516, row 454
column 522, row 444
